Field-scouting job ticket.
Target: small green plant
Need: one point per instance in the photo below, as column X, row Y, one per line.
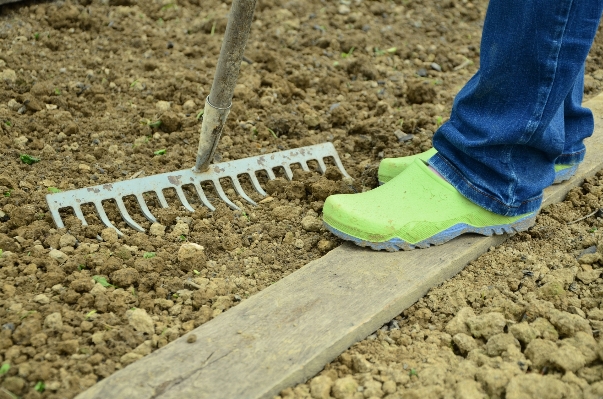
column 0, row 253
column 57, row 91
column 53, row 190
column 155, row 124
column 196, row 271
column 149, row 255
column 7, row 193
column 27, row 314
column 36, row 36
column 272, row 133
column 134, row 83
column 213, row 29
column 4, row 369
column 102, row 281
column 175, row 296
column 379, row 52
column 160, row 152
column 439, row 121
column 40, row 386
column 134, row 291
column 29, row 159
column 348, row 54
column 200, row 114
column 591, row 230
column 182, row 237
column 413, row 372
column 8, row 123
column 244, row 214
column 81, row 267
column 168, row 6
column 90, row 314
column 160, row 22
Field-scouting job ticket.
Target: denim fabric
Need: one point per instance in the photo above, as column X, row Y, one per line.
column 521, row 113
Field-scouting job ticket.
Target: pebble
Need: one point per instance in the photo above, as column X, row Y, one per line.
column 13, row 104
column 140, row 320
column 163, row 106
column 486, row 325
column 54, row 322
column 465, row 343
column 189, row 106
column 402, row 137
column 311, row 223
column 41, row 299
column 157, row 230
column 61, row 257
column 343, row 9
column 8, row 74
column 67, row 240
column 109, row 235
column 299, row 243
column 435, row 67
column 320, row 387
column 191, row 256
column 191, row 338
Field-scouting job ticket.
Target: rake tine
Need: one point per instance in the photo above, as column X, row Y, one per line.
column 203, row 198
column 79, row 214
column 288, row 172
column 124, row 214
column 256, row 184
column 223, row 196
column 304, row 166
column 104, row 218
column 57, row 218
column 271, row 175
column 340, row 166
column 161, row 198
column 240, row 191
column 183, row 199
column 145, row 209
column 321, row 165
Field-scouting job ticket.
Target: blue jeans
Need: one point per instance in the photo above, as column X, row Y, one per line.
column 521, row 113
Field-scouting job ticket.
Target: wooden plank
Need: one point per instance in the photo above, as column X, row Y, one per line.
column 3, row 2
column 286, row 333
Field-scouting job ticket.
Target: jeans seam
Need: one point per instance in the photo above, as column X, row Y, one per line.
column 480, row 192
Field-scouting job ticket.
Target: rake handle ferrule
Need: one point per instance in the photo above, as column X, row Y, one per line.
column 214, row 119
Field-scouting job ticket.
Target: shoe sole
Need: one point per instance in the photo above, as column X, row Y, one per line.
column 560, row 176
column 396, row 244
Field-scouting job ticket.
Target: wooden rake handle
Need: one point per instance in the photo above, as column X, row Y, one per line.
column 219, row 101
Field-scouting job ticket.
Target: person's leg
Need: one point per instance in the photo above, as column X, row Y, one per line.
column 578, row 123
column 498, row 150
column 507, row 127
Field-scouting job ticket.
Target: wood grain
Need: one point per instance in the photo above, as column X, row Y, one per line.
column 290, row 330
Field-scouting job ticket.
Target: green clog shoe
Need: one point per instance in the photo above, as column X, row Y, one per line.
column 415, row 209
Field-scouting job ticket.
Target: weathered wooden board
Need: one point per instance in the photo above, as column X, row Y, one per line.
column 2, row 2
column 289, row 331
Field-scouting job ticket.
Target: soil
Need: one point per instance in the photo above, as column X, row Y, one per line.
column 95, row 89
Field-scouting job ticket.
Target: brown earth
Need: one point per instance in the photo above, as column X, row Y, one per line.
column 85, row 85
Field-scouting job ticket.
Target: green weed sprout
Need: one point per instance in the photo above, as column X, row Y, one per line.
column 149, row 255
column 53, row 190
column 102, row 281
column 4, row 369
column 348, row 54
column 29, row 159
column 40, row 386
column 160, row 152
column 200, row 114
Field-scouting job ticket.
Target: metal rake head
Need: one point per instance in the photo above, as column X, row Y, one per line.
column 176, row 180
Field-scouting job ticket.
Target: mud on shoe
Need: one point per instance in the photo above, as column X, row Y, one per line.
column 416, row 209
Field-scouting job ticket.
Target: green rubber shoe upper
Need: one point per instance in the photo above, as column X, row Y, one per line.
column 414, row 207
column 391, row 167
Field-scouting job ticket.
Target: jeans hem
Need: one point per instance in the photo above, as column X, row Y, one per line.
column 478, row 196
column 571, row 158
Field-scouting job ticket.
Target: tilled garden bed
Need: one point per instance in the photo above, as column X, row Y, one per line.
column 95, row 91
